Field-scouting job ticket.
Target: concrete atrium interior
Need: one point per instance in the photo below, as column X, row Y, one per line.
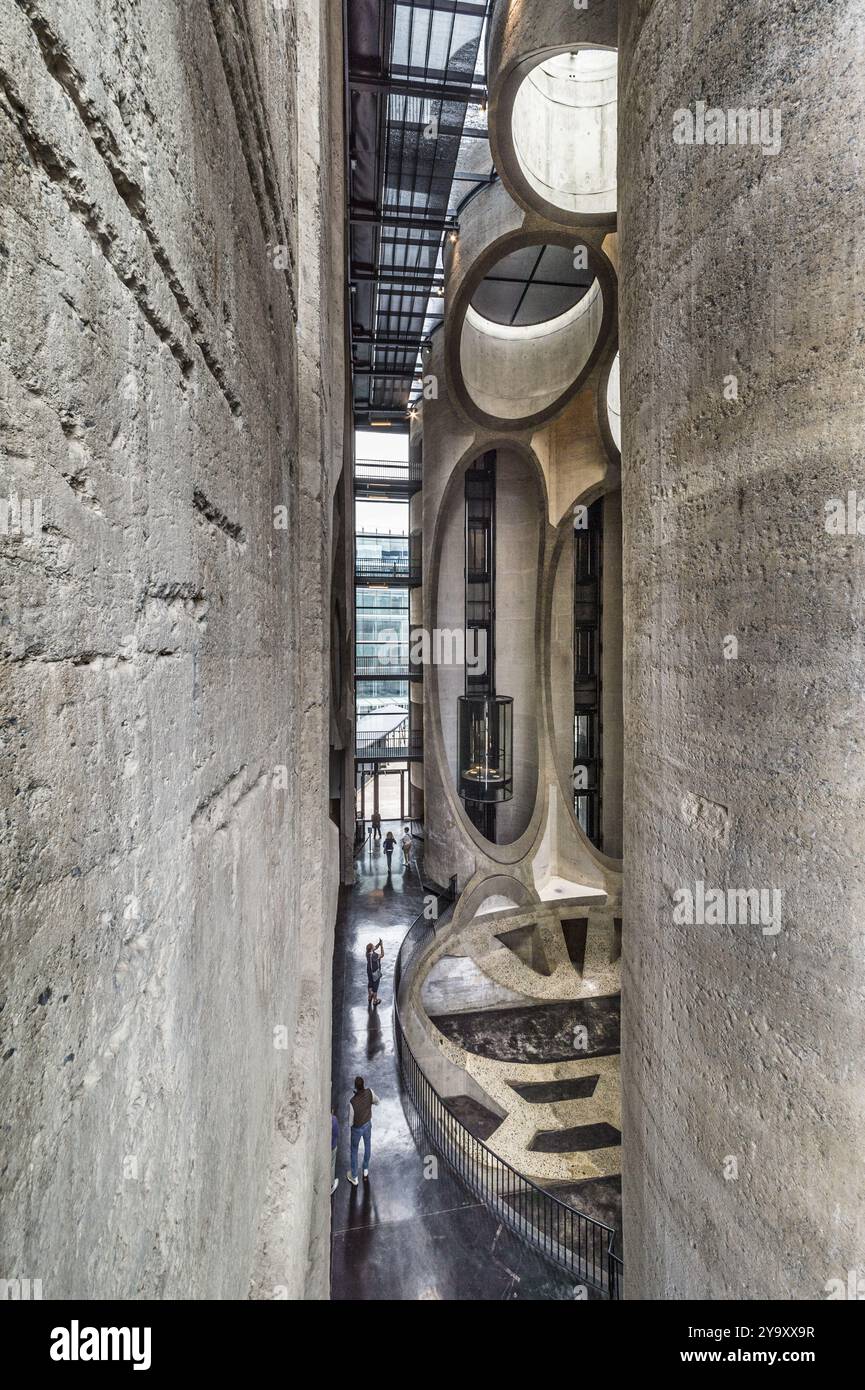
column 431, row 591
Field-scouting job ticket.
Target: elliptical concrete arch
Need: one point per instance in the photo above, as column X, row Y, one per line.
column 572, row 465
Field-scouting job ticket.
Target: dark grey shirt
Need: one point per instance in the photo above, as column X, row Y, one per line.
column 360, row 1106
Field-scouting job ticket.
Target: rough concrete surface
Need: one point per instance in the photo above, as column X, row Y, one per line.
column 164, row 644
column 745, row 766
column 569, row 149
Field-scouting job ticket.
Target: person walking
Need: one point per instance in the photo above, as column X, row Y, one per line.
column 389, row 847
column 334, row 1141
column 374, row 958
column 376, row 825
column 360, row 1119
column 406, row 845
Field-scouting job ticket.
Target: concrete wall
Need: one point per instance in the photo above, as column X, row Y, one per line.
column 745, row 768
column 170, row 374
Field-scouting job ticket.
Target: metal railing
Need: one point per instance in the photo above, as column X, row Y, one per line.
column 388, row 559
column 421, row 932
column 577, row 1243
column 406, row 477
column 396, row 746
column 403, row 571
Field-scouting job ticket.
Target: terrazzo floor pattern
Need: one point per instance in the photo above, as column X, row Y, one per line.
column 401, row 1235
column 519, row 1030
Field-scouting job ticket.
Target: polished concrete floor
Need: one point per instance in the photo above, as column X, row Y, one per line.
column 406, row 1233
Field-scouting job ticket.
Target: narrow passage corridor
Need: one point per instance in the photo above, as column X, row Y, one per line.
column 403, row 1235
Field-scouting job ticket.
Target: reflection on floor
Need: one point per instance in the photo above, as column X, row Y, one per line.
column 408, row 1233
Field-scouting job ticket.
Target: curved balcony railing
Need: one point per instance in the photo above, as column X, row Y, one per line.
column 577, row 1243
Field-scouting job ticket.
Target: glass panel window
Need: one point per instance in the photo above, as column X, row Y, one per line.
column 478, row 548
column 588, row 561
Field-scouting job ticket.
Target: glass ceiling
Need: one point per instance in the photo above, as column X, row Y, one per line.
column 418, row 148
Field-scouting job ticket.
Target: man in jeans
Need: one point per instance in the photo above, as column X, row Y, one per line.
column 360, row 1119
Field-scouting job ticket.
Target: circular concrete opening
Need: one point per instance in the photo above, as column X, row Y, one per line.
column 614, row 408
column 563, row 129
column 529, row 331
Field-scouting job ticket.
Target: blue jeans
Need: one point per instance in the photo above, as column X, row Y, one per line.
column 359, row 1132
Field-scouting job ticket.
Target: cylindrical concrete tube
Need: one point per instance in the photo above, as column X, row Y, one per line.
column 609, row 407
column 552, row 107
column 520, row 377
column 743, row 300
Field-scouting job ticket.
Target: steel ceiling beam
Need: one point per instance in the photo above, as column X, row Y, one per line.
column 417, row 279
column 386, row 373
column 471, row 8
column 377, row 217
column 434, row 90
